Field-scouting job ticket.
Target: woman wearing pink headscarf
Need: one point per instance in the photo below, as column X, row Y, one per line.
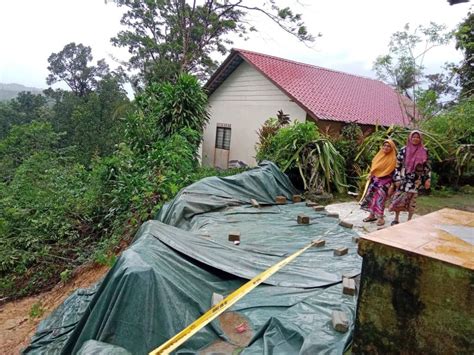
column 412, row 171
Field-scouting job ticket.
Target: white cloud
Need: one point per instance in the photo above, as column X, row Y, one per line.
column 354, row 33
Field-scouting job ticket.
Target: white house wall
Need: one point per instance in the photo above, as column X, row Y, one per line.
column 245, row 100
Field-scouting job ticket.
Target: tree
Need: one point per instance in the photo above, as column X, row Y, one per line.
column 167, row 37
column 165, row 109
column 465, row 42
column 403, row 66
column 95, row 122
column 72, row 65
column 23, row 109
column 22, row 142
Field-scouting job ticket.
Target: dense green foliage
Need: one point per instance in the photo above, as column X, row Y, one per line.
column 23, row 109
column 465, row 42
column 79, row 174
column 455, row 127
column 301, row 147
column 174, row 107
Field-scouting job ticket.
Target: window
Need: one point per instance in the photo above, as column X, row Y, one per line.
column 223, row 136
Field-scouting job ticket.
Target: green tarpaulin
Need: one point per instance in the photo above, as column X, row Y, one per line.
column 165, row 280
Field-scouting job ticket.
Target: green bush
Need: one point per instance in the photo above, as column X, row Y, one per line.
column 56, row 213
column 167, row 108
column 47, row 221
column 300, row 146
column 23, row 141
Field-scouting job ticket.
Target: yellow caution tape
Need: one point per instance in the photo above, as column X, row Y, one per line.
column 216, row 310
column 365, row 189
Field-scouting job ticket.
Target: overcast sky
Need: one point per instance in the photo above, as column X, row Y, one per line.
column 354, row 33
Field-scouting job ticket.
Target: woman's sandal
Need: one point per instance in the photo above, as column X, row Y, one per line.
column 380, row 222
column 394, row 223
column 369, row 219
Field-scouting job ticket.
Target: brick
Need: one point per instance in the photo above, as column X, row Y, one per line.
column 254, row 203
column 348, row 286
column 318, row 208
column 340, row 322
column 333, row 215
column 216, row 298
column 346, row 224
column 296, row 198
column 318, row 243
column 311, row 204
column 341, row 251
column 234, row 236
column 280, row 200
column 302, row 219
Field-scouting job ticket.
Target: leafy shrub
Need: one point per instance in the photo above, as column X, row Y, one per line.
column 300, row 146
column 55, row 213
column 347, row 145
column 173, row 107
column 456, row 127
column 47, row 216
column 23, row 141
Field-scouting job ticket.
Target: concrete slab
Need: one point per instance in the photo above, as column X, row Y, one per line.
column 415, row 294
column 350, row 212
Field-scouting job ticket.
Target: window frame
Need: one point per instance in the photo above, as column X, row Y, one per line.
column 225, row 136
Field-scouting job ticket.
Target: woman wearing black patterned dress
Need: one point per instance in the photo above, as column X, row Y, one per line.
column 412, row 171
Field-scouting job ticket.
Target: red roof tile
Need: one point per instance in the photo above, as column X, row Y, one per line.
column 325, row 94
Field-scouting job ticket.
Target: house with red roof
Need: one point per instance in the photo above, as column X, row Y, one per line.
column 250, row 87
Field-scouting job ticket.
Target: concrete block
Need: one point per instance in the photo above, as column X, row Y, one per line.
column 318, row 208
column 340, row 322
column 302, row 219
column 318, row 243
column 416, row 293
column 296, row 198
column 216, row 298
column 254, row 203
column 280, row 200
column 346, row 224
column 348, row 286
column 311, row 204
column 234, row 236
column 341, row 251
column 333, row 215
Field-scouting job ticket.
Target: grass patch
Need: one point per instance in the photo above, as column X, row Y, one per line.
column 461, row 200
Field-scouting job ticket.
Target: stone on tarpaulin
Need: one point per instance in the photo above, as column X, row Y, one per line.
column 348, row 286
column 345, row 224
column 318, row 243
column 340, row 322
column 280, row 200
column 341, row 251
column 318, row 208
column 296, row 198
column 254, row 203
column 216, row 298
column 302, row 219
column 234, row 236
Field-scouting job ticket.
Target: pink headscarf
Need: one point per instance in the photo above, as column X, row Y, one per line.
column 415, row 154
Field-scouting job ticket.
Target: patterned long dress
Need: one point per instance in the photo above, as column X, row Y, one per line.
column 374, row 200
column 404, row 199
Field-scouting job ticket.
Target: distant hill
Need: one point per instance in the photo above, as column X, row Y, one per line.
column 9, row 91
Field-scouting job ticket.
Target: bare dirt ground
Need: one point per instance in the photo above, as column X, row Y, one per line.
column 16, row 324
